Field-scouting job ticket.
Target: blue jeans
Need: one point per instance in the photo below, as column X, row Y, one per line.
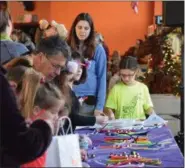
column 87, row 110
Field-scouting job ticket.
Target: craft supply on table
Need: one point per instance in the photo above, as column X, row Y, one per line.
column 163, row 146
column 84, row 155
column 153, row 121
column 132, row 158
column 84, row 142
column 133, row 143
column 123, row 132
column 139, row 143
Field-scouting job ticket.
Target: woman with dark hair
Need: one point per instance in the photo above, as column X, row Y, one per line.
column 76, row 74
column 9, row 49
column 82, row 39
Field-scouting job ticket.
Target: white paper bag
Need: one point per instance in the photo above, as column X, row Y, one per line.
column 64, row 150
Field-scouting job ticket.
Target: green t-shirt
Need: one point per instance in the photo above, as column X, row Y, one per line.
column 129, row 101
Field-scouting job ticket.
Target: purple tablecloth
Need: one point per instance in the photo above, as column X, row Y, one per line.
column 169, row 153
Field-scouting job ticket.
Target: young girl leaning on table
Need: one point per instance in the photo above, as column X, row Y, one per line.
column 37, row 100
column 129, row 98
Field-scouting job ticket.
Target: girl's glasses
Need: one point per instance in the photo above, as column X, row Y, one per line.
column 127, row 75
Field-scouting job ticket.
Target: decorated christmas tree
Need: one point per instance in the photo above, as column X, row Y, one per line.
column 161, row 54
column 164, row 69
column 171, row 65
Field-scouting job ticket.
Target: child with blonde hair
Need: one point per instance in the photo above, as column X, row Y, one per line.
column 76, row 73
column 37, row 100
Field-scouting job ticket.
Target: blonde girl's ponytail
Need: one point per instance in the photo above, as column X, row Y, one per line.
column 30, row 84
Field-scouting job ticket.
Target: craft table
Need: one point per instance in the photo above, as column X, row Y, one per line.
column 169, row 153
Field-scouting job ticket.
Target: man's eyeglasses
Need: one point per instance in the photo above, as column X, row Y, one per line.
column 57, row 67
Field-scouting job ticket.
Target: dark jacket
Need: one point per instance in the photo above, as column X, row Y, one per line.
column 10, row 50
column 76, row 118
column 19, row 144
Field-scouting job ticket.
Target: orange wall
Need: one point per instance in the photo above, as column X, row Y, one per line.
column 158, row 8
column 115, row 20
column 42, row 9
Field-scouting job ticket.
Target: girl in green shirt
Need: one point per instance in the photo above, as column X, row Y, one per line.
column 129, row 98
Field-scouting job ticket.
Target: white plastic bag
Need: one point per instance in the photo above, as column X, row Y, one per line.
column 64, row 150
column 153, row 120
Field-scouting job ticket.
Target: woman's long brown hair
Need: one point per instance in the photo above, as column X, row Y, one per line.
column 62, row 83
column 89, row 42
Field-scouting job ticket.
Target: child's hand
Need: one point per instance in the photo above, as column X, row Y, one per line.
column 101, row 119
column 112, row 117
column 109, row 113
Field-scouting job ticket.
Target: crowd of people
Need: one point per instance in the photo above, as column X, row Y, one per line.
column 63, row 74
